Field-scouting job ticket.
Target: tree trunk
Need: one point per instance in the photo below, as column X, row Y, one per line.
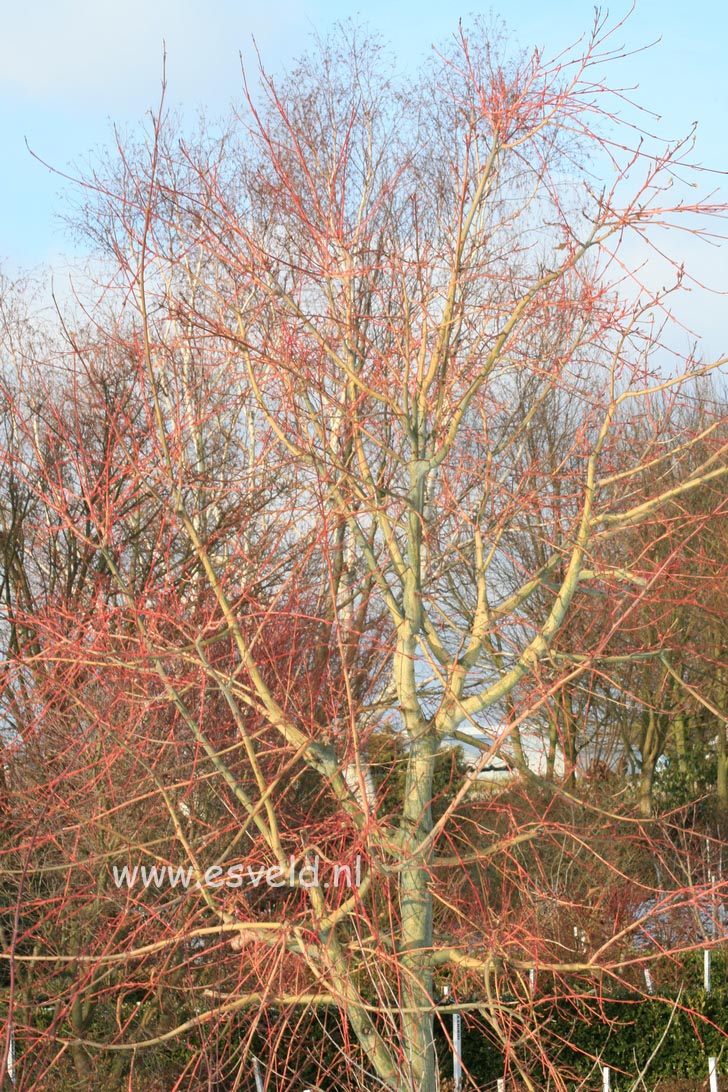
column 650, row 751
column 416, row 910
column 647, row 777
column 680, row 743
column 721, row 781
column 569, row 738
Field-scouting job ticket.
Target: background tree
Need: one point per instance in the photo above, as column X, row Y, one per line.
column 291, row 492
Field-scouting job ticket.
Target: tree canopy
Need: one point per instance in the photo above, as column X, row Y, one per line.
column 373, row 444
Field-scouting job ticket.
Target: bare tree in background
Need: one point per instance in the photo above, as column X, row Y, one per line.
column 299, row 482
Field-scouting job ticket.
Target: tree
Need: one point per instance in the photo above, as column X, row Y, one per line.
column 288, row 494
column 668, row 680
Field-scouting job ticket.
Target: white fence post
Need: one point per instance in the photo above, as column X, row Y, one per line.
column 712, row 1075
column 457, row 1046
column 605, row 1079
column 11, row 1056
column 257, row 1075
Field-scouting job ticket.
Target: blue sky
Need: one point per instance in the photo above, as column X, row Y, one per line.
column 69, row 68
